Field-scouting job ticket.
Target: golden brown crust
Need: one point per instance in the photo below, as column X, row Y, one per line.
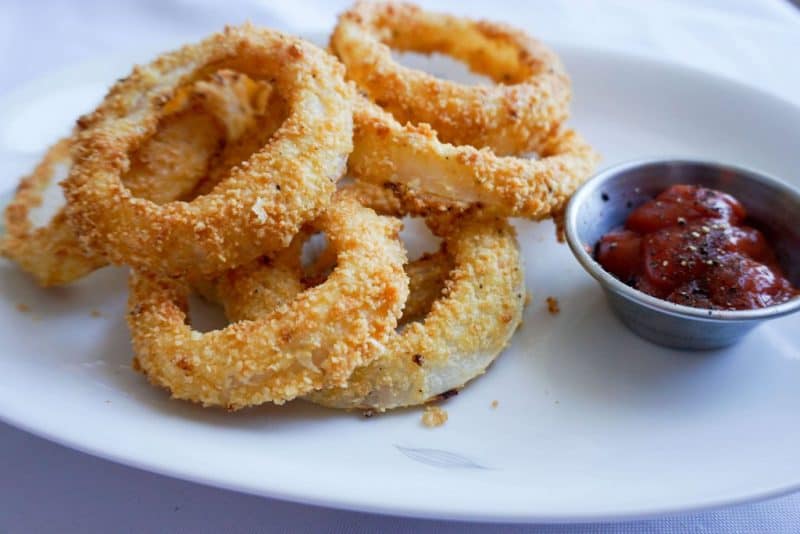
column 252, row 112
column 441, row 177
column 169, row 165
column 257, row 289
column 166, row 167
column 51, row 254
column 260, row 205
column 463, row 333
column 314, row 341
column 532, row 92
column 427, row 276
column 433, row 416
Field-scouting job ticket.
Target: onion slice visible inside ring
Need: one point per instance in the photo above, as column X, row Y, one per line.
column 314, row 341
column 442, row 175
column 530, row 99
column 260, row 205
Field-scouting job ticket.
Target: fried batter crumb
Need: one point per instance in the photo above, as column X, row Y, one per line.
column 528, row 298
column 559, row 221
column 23, row 308
column 434, row 416
column 495, row 404
column 96, row 313
column 552, row 306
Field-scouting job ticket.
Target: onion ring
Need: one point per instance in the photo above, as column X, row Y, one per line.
column 530, row 100
column 442, row 176
column 313, row 341
column 468, row 296
column 427, row 275
column 165, row 168
column 259, row 207
column 51, row 253
column 464, row 331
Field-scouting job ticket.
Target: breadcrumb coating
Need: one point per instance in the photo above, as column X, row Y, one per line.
column 443, row 176
column 434, row 416
column 530, row 97
column 314, row 341
column 167, row 167
column 260, row 205
column 464, row 331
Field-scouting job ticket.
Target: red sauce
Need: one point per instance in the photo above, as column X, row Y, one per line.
column 689, row 245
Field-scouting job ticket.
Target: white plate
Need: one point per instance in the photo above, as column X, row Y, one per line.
column 592, row 422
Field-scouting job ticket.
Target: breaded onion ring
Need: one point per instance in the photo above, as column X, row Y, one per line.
column 260, row 205
column 464, row 331
column 468, row 297
column 427, row 275
column 311, row 342
column 441, row 176
column 166, row 167
column 51, row 253
column 531, row 97
column 426, row 281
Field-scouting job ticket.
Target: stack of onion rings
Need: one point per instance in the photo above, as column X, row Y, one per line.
column 313, row 341
column 447, row 145
column 208, row 170
column 465, row 301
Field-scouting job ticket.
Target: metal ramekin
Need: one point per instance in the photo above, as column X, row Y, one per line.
column 604, row 202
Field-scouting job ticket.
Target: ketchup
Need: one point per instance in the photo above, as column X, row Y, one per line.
column 689, row 245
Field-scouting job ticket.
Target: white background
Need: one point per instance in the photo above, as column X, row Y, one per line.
column 46, row 488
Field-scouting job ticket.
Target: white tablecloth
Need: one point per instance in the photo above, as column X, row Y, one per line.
column 47, row 488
